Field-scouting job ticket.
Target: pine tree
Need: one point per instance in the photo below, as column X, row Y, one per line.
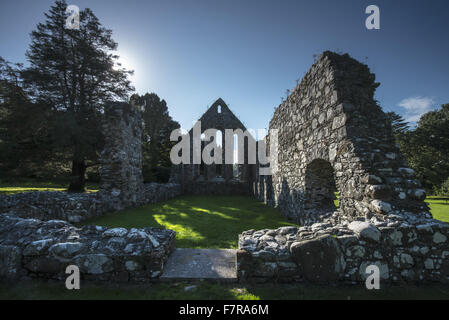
column 398, row 124
column 75, row 72
column 156, row 144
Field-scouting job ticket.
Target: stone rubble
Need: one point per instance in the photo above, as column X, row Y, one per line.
column 325, row 252
column 31, row 248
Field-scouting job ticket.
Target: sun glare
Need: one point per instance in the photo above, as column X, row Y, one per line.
column 126, row 61
column 129, row 61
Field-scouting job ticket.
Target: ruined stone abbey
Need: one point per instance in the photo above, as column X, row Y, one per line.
column 333, row 139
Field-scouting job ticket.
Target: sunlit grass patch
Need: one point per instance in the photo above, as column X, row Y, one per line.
column 21, row 187
column 439, row 207
column 200, row 221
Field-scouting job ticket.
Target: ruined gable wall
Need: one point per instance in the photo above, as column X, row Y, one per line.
column 332, row 116
column 218, row 117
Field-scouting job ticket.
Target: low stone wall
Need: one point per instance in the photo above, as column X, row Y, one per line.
column 216, row 188
column 48, row 205
column 30, row 248
column 158, row 192
column 76, row 207
column 331, row 253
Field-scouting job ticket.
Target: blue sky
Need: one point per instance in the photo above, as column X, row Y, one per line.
column 248, row 52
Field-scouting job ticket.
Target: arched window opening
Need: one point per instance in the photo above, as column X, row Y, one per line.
column 219, row 137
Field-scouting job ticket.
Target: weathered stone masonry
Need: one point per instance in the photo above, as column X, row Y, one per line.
column 121, row 178
column 121, row 170
column 216, row 178
column 340, row 253
column 334, row 137
column 31, row 247
column 75, row 208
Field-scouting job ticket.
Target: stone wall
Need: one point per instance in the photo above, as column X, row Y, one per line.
column 340, row 253
column 121, row 159
column 121, row 177
column 76, row 208
column 334, row 137
column 229, row 188
column 30, row 248
column 159, row 192
column 48, row 205
column 218, row 117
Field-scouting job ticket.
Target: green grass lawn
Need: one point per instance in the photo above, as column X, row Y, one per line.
column 215, row 222
column 439, row 207
column 200, row 221
column 213, row 291
column 7, row 188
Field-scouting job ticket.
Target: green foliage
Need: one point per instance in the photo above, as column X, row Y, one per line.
column 200, row 222
column 427, row 148
column 71, row 74
column 23, row 128
column 93, row 176
column 398, row 124
column 444, row 190
column 156, row 144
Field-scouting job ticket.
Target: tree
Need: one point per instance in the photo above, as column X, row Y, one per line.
column 427, row 148
column 23, row 125
column 75, row 73
column 444, row 190
column 156, row 144
column 398, row 124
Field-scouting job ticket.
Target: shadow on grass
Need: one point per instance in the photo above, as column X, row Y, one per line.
column 347, row 292
column 213, row 291
column 200, row 221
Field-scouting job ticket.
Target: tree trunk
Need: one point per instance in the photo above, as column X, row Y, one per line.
column 77, row 178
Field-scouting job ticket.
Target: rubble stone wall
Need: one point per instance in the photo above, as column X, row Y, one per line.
column 327, row 253
column 75, row 208
column 333, row 137
column 121, row 158
column 31, row 248
column 220, row 117
column 121, row 177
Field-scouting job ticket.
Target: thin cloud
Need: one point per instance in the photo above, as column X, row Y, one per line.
column 415, row 107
